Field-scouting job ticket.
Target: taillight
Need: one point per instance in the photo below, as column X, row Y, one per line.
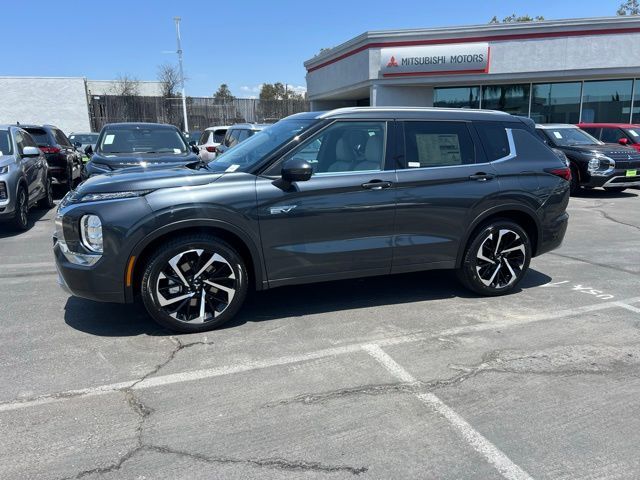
column 50, row 149
column 211, row 149
column 560, row 172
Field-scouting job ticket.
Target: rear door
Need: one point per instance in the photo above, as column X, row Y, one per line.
column 340, row 223
column 443, row 181
column 29, row 165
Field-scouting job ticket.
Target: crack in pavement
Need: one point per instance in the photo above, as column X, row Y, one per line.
column 559, row 361
column 595, row 264
column 143, row 412
column 620, row 222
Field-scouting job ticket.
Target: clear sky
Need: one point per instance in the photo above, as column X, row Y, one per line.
column 242, row 43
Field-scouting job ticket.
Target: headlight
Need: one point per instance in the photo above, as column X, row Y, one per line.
column 601, row 165
column 4, row 169
column 97, row 197
column 91, row 231
column 100, row 167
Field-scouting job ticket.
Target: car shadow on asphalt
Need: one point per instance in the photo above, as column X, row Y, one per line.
column 116, row 320
column 35, row 215
column 596, row 193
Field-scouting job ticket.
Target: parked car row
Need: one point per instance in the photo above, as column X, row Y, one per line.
column 593, row 163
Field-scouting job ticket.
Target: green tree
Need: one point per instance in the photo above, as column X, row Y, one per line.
column 515, row 18
column 278, row 91
column 223, row 94
column 629, row 7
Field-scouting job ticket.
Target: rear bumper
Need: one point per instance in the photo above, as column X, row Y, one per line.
column 553, row 234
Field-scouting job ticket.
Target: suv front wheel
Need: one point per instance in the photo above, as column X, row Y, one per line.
column 194, row 284
column 496, row 258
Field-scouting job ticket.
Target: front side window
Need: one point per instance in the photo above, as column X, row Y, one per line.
column 137, row 139
column 612, row 135
column 345, row 147
column 566, row 137
column 437, row 144
column 20, row 142
column 5, row 143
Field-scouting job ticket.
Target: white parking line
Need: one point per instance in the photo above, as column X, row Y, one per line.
column 475, row 439
column 631, row 308
column 175, row 378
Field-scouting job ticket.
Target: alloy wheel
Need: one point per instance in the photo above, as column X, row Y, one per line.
column 196, row 286
column 23, row 207
column 500, row 259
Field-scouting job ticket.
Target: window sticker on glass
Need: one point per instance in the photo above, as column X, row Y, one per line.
column 634, row 133
column 176, row 150
column 557, row 134
column 232, row 168
column 108, row 139
column 414, row 164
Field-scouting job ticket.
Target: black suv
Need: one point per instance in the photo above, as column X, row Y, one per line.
column 138, row 145
column 65, row 162
column 319, row 196
column 593, row 163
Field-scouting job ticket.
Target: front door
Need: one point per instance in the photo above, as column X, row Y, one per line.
column 443, row 182
column 338, row 224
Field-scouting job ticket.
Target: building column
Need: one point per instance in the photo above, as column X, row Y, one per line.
column 402, row 96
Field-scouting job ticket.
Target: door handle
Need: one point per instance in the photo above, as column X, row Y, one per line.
column 481, row 177
column 376, row 185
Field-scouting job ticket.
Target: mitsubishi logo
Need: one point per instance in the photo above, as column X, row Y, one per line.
column 392, row 62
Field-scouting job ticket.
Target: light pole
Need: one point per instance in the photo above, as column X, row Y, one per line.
column 179, row 52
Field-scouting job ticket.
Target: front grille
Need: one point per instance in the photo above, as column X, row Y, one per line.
column 3, row 191
column 625, row 159
column 626, row 179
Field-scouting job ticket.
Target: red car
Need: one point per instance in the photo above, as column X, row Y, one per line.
column 622, row 133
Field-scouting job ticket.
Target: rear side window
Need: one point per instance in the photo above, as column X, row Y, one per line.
column 592, row 131
column 61, row 139
column 494, row 140
column 218, row 135
column 40, row 136
column 437, row 144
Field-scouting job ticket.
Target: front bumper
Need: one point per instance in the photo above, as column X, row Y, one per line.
column 618, row 178
column 93, row 282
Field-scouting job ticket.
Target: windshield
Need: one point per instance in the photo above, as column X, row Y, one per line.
column 84, row 138
column 246, row 154
column 139, row 139
column 5, row 143
column 565, row 137
column 634, row 133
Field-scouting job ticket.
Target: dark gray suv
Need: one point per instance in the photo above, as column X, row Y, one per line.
column 318, row 196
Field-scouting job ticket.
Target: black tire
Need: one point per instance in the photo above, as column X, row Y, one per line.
column 21, row 219
column 160, row 278
column 575, row 181
column 47, row 202
column 512, row 259
column 70, row 178
column 615, row 189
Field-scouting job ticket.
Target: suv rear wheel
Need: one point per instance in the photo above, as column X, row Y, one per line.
column 496, row 258
column 574, row 186
column 47, row 201
column 194, row 284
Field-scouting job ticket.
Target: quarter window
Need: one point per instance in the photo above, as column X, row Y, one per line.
column 494, row 140
column 438, row 144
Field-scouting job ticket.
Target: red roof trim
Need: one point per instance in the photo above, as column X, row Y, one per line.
column 486, row 38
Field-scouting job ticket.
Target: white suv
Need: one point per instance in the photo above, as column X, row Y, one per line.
column 209, row 140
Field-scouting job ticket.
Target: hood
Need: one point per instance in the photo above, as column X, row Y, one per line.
column 6, row 160
column 605, row 149
column 147, row 179
column 126, row 160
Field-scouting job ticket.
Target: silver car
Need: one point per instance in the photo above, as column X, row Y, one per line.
column 24, row 176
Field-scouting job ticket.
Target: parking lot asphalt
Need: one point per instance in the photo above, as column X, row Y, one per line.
column 406, row 376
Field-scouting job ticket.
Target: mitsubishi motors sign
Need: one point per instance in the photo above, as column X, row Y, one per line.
column 435, row 60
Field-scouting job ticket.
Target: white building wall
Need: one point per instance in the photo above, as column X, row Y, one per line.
column 382, row 95
column 58, row 101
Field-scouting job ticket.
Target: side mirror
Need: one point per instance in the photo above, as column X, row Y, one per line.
column 88, row 150
column 30, row 152
column 623, row 141
column 195, row 149
column 192, row 143
column 296, row 170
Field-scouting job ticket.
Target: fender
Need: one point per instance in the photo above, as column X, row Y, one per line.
column 256, row 258
column 507, row 207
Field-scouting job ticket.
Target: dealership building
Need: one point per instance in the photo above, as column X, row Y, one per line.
column 553, row 71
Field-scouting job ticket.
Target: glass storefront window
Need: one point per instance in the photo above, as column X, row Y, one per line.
column 457, row 97
column 606, row 101
column 556, row 102
column 635, row 118
column 508, row 98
